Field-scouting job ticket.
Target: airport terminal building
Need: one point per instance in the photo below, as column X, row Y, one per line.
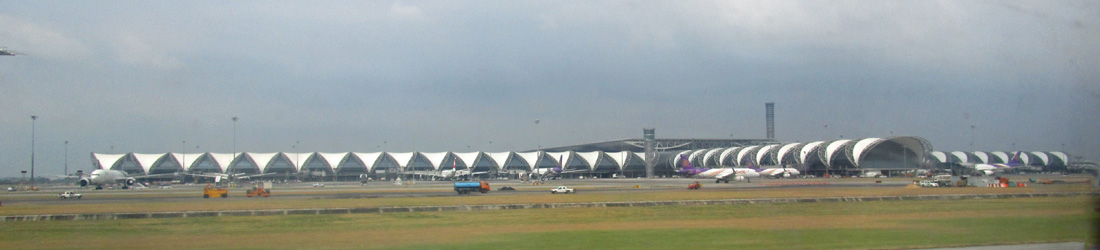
column 621, row 158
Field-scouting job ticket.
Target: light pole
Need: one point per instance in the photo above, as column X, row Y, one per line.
column 67, row 158
column 33, row 118
column 183, row 155
column 234, row 137
column 295, row 148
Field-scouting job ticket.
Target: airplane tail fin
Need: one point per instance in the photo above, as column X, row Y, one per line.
column 753, row 166
column 558, row 168
column 1015, row 161
column 685, row 166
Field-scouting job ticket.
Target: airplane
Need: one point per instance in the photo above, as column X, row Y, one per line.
column 719, row 174
column 544, row 173
column 776, row 172
column 6, row 52
column 449, row 174
column 100, row 177
column 218, row 177
column 989, row 169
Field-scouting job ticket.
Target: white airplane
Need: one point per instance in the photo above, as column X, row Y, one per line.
column 100, row 177
column 989, row 169
column 218, row 177
column 775, row 172
column 779, row 172
column 719, row 174
column 544, row 173
column 454, row 172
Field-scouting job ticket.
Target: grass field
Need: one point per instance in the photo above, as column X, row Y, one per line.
column 706, row 194
column 884, row 224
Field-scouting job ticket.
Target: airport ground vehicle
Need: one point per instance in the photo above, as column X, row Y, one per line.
column 695, row 185
column 69, row 195
column 262, row 189
column 467, row 187
column 211, row 191
column 928, row 183
column 562, row 189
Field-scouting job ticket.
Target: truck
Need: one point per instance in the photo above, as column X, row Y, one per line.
column 562, row 189
column 695, row 186
column 261, row 190
column 211, row 191
column 69, row 195
column 467, row 187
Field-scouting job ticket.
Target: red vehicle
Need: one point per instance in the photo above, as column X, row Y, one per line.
column 695, row 186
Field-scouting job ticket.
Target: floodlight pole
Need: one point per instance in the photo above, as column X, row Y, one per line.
column 234, row 137
column 67, row 158
column 33, row 118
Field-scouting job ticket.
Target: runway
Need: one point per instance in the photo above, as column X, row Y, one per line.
column 386, row 189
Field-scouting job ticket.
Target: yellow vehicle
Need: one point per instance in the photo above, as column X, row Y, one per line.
column 211, row 191
column 258, row 191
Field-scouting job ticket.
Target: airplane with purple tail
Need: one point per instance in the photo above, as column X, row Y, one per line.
column 776, row 172
column 544, row 173
column 719, row 174
column 989, row 169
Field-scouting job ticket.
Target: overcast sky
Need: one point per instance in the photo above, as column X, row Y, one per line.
column 145, row 76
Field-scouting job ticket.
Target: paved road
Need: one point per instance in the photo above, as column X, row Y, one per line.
column 380, row 189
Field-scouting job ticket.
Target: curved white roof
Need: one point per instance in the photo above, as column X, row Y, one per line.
column 436, row 159
column 146, row 160
column 500, row 158
column 783, row 151
column 832, row 148
column 1000, row 155
column 726, row 153
column 106, row 161
column 696, row 155
column 262, row 159
column 1061, row 156
column 223, row 161
column 741, row 155
column 591, row 158
column 333, row 159
column 806, row 150
column 763, row 152
column 982, row 156
column 619, row 158
column 1042, row 157
column 403, row 159
column 531, row 158
column 564, row 156
column 368, row 159
column 711, row 154
column 863, row 145
column 187, row 159
column 940, row 156
column 469, row 159
column 1024, row 157
column 961, row 156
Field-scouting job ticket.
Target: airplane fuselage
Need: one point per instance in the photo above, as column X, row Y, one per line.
column 100, row 177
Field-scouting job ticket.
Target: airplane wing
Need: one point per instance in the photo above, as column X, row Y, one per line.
column 254, row 175
column 726, row 175
column 153, row 176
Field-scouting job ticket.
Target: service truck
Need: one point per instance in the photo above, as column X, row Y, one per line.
column 467, row 187
column 69, row 195
column 211, row 191
column 562, row 190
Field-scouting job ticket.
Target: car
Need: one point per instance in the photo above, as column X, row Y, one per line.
column 11, row 189
column 318, row 185
column 562, row 189
column 507, row 189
